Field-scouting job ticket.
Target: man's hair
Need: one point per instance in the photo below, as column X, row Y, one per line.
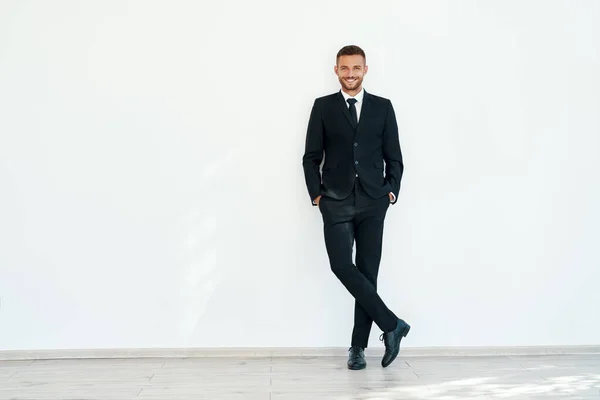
column 350, row 51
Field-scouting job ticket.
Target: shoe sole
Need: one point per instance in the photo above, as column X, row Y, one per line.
column 357, row 368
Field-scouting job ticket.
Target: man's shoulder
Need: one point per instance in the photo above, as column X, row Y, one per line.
column 377, row 99
column 327, row 97
column 334, row 97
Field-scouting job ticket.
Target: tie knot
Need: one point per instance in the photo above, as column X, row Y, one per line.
column 351, row 101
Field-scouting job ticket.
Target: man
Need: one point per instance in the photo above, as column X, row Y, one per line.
column 356, row 132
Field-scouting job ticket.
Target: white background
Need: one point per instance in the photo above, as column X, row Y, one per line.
column 152, row 194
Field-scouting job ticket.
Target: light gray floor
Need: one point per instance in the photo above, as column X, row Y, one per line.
column 304, row 378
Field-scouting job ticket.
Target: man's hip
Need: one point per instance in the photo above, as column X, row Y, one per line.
column 357, row 204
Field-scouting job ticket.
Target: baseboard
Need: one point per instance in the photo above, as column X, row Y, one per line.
column 289, row 352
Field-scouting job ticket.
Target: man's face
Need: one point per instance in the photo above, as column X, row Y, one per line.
column 350, row 71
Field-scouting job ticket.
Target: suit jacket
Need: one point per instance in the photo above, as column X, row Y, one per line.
column 352, row 152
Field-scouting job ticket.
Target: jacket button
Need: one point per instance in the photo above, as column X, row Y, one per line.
column 355, row 162
column 355, row 144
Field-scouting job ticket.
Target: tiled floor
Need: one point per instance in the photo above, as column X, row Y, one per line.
column 304, row 378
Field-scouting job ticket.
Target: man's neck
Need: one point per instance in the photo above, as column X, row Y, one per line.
column 352, row 92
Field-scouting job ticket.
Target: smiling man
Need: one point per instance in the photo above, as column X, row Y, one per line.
column 357, row 133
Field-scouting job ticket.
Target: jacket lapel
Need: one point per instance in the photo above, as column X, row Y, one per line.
column 365, row 112
column 366, row 107
column 344, row 108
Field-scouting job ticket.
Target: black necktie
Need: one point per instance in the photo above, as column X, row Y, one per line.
column 353, row 111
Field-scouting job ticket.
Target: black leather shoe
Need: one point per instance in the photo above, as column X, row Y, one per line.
column 356, row 358
column 392, row 342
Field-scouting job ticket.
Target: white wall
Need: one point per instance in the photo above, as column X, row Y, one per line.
column 152, row 195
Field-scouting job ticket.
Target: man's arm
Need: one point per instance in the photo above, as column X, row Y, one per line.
column 313, row 152
column 392, row 154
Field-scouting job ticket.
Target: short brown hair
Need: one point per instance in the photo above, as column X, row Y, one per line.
column 351, row 50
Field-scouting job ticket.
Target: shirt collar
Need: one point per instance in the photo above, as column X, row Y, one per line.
column 359, row 96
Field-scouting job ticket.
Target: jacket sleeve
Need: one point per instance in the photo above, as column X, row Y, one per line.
column 392, row 153
column 313, row 151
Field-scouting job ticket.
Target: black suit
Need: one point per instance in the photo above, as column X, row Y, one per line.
column 355, row 188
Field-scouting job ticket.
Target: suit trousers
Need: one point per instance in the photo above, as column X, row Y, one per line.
column 358, row 218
